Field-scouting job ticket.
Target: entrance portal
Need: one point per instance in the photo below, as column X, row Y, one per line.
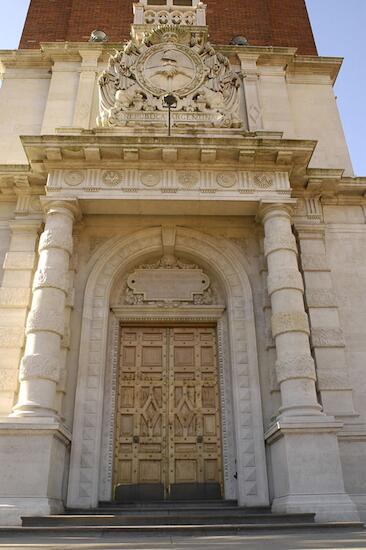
column 168, row 436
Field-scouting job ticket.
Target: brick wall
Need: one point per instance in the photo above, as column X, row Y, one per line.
column 262, row 22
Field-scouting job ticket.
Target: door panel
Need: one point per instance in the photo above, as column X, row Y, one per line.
column 141, row 422
column 168, row 417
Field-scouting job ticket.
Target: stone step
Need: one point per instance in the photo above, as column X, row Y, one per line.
column 133, row 510
column 160, row 530
column 221, row 517
column 173, row 504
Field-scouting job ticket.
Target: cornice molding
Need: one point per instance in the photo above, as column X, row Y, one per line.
column 296, row 66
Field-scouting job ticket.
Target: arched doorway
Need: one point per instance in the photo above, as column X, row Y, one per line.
column 92, row 458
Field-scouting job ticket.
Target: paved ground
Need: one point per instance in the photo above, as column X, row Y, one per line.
column 273, row 540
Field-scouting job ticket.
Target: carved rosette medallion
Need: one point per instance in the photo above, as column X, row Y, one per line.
column 188, row 179
column 111, row 178
column 227, row 179
column 263, row 181
column 74, row 178
column 150, row 178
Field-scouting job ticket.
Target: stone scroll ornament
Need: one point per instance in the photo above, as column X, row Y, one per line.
column 176, row 61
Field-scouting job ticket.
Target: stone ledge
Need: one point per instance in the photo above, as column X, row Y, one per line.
column 20, row 426
column 302, row 424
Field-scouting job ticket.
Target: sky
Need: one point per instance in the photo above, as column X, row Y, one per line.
column 339, row 28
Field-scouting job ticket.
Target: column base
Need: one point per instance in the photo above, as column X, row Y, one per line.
column 33, row 457
column 306, row 469
column 327, row 508
column 13, row 509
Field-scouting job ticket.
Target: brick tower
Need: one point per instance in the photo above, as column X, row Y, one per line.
column 262, row 22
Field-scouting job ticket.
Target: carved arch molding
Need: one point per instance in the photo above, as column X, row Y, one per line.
column 243, row 441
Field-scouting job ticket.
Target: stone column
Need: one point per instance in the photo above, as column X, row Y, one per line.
column 290, row 327
column 40, row 365
column 304, row 452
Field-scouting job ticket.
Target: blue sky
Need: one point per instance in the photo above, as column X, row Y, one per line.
column 339, row 28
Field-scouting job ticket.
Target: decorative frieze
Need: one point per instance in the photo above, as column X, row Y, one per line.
column 184, row 183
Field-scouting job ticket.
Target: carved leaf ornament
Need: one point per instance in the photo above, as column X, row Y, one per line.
column 170, row 60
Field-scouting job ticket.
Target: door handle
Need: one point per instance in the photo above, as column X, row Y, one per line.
column 200, row 439
column 136, row 439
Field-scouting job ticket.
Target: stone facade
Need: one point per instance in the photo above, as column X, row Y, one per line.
column 242, row 212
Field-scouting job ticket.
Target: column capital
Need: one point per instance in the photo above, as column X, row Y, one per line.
column 90, row 58
column 310, row 232
column 275, row 209
column 70, row 206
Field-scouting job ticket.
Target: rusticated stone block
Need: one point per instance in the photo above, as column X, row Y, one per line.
column 327, row 338
column 285, row 279
column 45, row 321
column 50, row 278
column 14, row 297
column 279, row 242
column 292, row 321
column 297, row 366
column 39, row 366
column 8, row 379
column 56, row 238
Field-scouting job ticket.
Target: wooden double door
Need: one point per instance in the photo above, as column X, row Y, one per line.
column 168, row 434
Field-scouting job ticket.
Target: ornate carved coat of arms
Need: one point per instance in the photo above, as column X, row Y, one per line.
column 170, row 60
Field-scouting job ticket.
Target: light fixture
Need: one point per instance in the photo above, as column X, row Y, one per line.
column 239, row 41
column 98, row 36
column 170, row 102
